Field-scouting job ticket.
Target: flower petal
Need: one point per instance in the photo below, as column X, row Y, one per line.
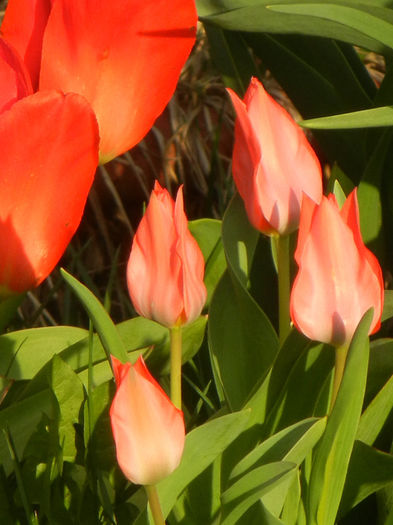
column 49, row 143
column 125, row 57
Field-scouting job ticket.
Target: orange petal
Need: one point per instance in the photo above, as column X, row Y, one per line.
column 125, row 57
column 49, row 143
column 14, row 77
column 23, row 26
column 148, row 430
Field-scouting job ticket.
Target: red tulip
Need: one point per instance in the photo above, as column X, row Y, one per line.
column 124, row 57
column 148, row 430
column 166, row 267
column 339, row 279
column 273, row 163
column 49, row 145
column 14, row 77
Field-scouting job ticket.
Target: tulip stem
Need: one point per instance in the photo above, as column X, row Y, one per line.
column 176, row 355
column 155, row 505
column 341, row 358
column 284, row 286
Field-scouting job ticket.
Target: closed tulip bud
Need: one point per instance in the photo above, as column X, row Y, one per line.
column 148, row 430
column 166, row 266
column 273, row 163
column 339, row 279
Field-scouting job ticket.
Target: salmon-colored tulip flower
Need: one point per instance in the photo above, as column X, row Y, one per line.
column 148, row 430
column 124, row 57
column 49, row 145
column 166, row 266
column 339, row 279
column 273, row 163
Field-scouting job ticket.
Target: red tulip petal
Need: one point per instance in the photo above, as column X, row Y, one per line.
column 14, row 77
column 154, row 268
column 193, row 264
column 307, row 212
column 125, row 57
column 148, row 430
column 49, row 143
column 245, row 164
column 23, row 26
column 335, row 284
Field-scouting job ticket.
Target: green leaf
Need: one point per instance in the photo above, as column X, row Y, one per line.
column 378, row 28
column 103, row 324
column 369, row 470
column 376, row 414
column 69, row 392
column 232, row 57
column 334, row 450
column 207, row 233
column 334, row 20
column 387, row 312
column 242, row 340
column 22, row 419
column 203, row 445
column 252, row 486
column 290, row 444
column 367, row 118
column 24, row 353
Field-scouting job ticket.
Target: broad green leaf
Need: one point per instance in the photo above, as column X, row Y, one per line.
column 207, row 232
column 97, row 431
column 242, row 342
column 102, row 322
column 367, row 118
column 22, row 419
column 24, row 353
column 290, row 444
column 240, row 240
column 334, row 449
column 139, row 336
column 203, row 445
column 376, row 414
column 232, row 57
column 292, row 502
column 292, row 402
column 369, row 470
column 69, row 392
column 332, row 20
column 387, row 305
column 252, row 486
column 380, row 367
column 378, row 28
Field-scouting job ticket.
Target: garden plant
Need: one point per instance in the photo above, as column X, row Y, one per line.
column 196, row 262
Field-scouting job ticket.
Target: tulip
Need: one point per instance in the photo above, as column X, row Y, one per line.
column 339, row 279
column 166, row 266
column 148, row 430
column 49, row 145
column 124, row 57
column 273, row 164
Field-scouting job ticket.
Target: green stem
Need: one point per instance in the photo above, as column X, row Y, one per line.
column 341, row 358
column 155, row 506
column 284, row 285
column 176, row 355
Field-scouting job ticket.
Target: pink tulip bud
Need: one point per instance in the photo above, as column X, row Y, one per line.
column 339, row 279
column 147, row 428
column 166, row 266
column 273, row 163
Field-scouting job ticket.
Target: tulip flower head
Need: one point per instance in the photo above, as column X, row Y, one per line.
column 124, row 57
column 44, row 178
column 166, row 266
column 148, row 430
column 339, row 279
column 273, row 164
